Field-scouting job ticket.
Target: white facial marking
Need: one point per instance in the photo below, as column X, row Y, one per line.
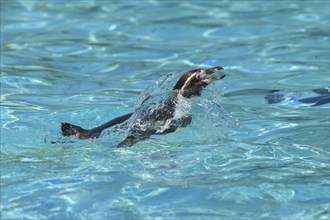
column 190, row 77
column 198, row 75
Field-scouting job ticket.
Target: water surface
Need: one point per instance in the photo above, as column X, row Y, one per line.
column 87, row 62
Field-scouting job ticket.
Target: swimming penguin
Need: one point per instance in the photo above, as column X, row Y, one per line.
column 322, row 98
column 173, row 112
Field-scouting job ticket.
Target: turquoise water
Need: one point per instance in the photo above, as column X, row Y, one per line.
column 86, row 62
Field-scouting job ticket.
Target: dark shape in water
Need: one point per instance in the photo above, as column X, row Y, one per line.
column 172, row 113
column 324, row 98
column 319, row 100
column 274, row 98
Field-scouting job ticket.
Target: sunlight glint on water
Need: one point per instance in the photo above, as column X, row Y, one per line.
column 88, row 63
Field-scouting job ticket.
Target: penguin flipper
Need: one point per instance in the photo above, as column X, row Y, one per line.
column 130, row 141
column 74, row 130
column 323, row 101
column 311, row 100
column 81, row 133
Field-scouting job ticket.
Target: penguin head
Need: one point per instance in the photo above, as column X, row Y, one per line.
column 192, row 83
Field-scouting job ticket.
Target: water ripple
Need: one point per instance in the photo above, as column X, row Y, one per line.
column 240, row 158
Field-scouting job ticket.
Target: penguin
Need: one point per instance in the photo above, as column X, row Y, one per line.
column 322, row 97
column 172, row 113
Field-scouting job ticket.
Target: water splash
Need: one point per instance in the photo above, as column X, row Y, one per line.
column 209, row 119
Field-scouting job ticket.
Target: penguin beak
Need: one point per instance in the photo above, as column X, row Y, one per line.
column 210, row 71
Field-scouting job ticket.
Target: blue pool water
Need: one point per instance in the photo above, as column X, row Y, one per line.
column 86, row 62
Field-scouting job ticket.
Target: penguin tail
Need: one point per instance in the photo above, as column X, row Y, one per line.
column 74, row 130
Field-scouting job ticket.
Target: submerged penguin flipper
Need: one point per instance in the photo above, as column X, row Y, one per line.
column 322, row 101
column 128, row 142
column 319, row 100
column 310, row 100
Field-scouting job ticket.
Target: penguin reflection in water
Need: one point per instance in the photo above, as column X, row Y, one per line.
column 174, row 111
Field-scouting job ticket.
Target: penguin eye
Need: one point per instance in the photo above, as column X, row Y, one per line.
column 198, row 76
